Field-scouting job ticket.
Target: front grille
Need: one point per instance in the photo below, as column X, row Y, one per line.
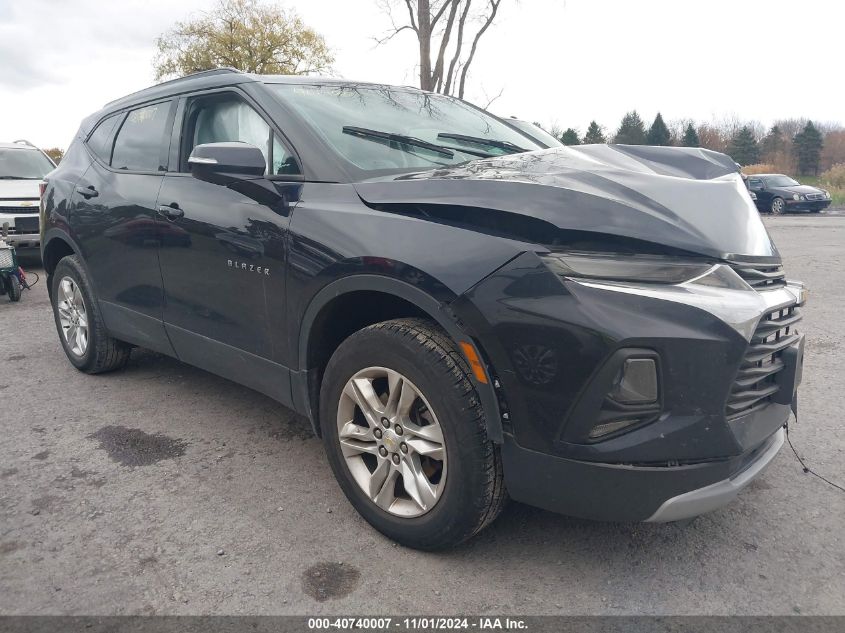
column 762, row 277
column 19, row 210
column 755, row 384
column 815, row 196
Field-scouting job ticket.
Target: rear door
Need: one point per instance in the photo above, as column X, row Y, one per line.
column 223, row 255
column 114, row 220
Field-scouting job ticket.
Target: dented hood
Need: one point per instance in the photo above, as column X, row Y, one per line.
column 683, row 198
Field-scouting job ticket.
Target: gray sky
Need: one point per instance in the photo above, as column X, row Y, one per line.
column 557, row 61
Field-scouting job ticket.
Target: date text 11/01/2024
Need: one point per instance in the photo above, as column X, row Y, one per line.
column 419, row 623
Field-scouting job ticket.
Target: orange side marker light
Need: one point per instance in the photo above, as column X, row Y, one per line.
column 474, row 362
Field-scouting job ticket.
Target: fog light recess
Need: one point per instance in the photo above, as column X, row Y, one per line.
column 636, row 382
column 600, row 430
column 632, row 400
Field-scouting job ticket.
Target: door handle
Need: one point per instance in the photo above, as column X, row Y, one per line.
column 171, row 211
column 87, row 192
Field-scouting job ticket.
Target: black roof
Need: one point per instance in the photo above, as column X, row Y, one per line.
column 220, row 77
column 194, row 81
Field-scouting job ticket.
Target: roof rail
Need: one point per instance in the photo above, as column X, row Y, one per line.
column 213, row 71
column 23, row 141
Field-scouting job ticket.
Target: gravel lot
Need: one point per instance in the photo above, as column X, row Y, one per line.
column 164, row 489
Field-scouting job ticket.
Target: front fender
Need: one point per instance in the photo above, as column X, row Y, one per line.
column 439, row 311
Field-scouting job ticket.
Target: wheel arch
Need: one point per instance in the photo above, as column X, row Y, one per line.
column 327, row 322
column 56, row 246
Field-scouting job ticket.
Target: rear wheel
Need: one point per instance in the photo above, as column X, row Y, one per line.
column 778, row 206
column 82, row 332
column 406, row 437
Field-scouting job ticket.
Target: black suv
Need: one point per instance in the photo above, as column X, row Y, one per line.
column 779, row 194
column 604, row 331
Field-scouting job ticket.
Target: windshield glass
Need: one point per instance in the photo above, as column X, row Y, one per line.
column 330, row 108
column 781, row 181
column 536, row 132
column 23, row 164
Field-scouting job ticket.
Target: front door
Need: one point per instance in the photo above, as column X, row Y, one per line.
column 223, row 254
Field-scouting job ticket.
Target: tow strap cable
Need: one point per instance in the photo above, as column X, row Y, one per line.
column 804, row 466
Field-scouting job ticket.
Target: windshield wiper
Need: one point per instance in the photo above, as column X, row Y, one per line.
column 472, row 152
column 480, row 140
column 389, row 137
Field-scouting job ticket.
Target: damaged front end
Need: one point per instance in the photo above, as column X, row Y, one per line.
column 644, row 340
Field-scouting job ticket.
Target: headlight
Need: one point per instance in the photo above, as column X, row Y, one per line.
column 649, row 269
column 826, row 193
column 795, row 196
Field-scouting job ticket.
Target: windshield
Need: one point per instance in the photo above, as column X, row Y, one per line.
column 536, row 132
column 23, row 164
column 781, row 181
column 347, row 116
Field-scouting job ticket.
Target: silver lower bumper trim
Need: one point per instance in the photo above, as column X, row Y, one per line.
column 714, row 496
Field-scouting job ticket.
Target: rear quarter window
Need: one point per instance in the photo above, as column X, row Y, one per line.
column 140, row 142
column 101, row 140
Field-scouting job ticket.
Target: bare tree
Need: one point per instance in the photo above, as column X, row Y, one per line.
column 448, row 33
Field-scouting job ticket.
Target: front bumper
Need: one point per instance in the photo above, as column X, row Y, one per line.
column 26, row 241
column 22, row 240
column 622, row 492
column 550, row 344
column 807, row 205
column 714, row 496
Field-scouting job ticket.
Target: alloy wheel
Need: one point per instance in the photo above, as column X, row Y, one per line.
column 392, row 442
column 73, row 316
column 777, row 206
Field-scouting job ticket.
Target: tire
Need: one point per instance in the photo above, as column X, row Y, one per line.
column 14, row 288
column 778, row 206
column 101, row 352
column 468, row 483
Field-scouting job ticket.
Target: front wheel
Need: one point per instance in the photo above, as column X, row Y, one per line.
column 406, row 436
column 778, row 206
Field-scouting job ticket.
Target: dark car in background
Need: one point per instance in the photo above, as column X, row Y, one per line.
column 463, row 315
column 779, row 194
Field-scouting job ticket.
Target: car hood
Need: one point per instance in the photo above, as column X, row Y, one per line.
column 19, row 189
column 805, row 189
column 682, row 198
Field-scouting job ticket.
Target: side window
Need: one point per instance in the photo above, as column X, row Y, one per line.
column 139, row 142
column 755, row 183
column 283, row 161
column 229, row 119
column 102, row 139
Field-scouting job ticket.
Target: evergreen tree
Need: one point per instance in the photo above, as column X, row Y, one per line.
column 631, row 131
column 690, row 138
column 570, row 137
column 808, row 148
column 743, row 147
column 772, row 143
column 658, row 133
column 594, row 134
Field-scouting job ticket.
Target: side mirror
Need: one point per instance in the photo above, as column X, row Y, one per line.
column 226, row 163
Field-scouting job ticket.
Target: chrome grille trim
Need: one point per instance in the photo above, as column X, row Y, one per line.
column 761, row 277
